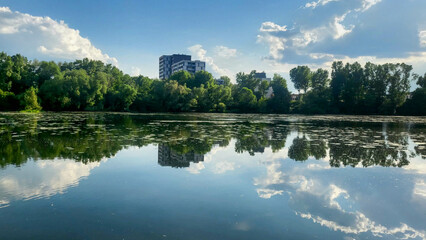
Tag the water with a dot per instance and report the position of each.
(211, 176)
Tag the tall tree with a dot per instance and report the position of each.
(398, 85)
(320, 79)
(301, 77)
(280, 102)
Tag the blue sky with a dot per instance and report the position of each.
(231, 36)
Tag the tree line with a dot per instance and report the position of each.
(90, 85)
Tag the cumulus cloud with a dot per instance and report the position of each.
(339, 30)
(200, 53)
(318, 3)
(225, 52)
(367, 4)
(346, 30)
(47, 37)
(276, 45)
(272, 27)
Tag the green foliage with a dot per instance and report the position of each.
(421, 81)
(29, 101)
(201, 78)
(280, 102)
(8, 101)
(320, 79)
(248, 80)
(182, 77)
(316, 102)
(226, 81)
(245, 100)
(416, 105)
(94, 86)
(177, 97)
(301, 77)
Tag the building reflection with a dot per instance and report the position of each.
(167, 157)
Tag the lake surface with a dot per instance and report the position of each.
(211, 176)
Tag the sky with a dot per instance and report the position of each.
(230, 35)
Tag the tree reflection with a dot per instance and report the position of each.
(91, 137)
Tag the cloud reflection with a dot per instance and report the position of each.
(42, 179)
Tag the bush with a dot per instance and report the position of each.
(29, 101)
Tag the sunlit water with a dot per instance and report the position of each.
(207, 176)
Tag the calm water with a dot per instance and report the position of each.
(206, 176)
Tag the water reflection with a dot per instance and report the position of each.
(41, 179)
(167, 157)
(92, 137)
(328, 172)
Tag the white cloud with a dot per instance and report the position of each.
(48, 37)
(298, 39)
(422, 38)
(272, 27)
(367, 4)
(338, 33)
(276, 45)
(201, 54)
(268, 193)
(225, 52)
(339, 29)
(313, 5)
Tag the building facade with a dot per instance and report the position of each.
(189, 66)
(166, 62)
(169, 64)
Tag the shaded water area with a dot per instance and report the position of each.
(211, 176)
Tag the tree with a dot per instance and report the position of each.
(320, 79)
(398, 86)
(8, 101)
(416, 105)
(29, 101)
(182, 77)
(201, 78)
(421, 81)
(46, 71)
(54, 95)
(126, 96)
(375, 84)
(301, 78)
(245, 100)
(145, 97)
(353, 91)
(226, 81)
(248, 80)
(177, 97)
(316, 102)
(262, 89)
(280, 102)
